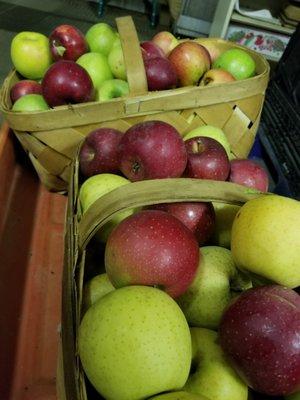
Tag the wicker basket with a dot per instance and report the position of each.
(80, 230)
(52, 137)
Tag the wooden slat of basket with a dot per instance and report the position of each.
(64, 141)
(51, 182)
(216, 115)
(251, 106)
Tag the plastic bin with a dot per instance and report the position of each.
(31, 254)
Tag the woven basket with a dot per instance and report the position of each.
(81, 229)
(52, 137)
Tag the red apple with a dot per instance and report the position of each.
(216, 76)
(249, 173)
(160, 73)
(207, 159)
(67, 82)
(191, 61)
(260, 335)
(152, 149)
(151, 50)
(26, 86)
(198, 217)
(99, 152)
(67, 42)
(152, 248)
(166, 41)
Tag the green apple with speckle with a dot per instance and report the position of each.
(236, 61)
(211, 375)
(204, 301)
(135, 343)
(30, 103)
(95, 289)
(179, 396)
(101, 38)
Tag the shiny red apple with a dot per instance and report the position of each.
(199, 217)
(160, 74)
(26, 86)
(216, 76)
(151, 50)
(249, 173)
(207, 159)
(152, 248)
(99, 152)
(191, 61)
(67, 82)
(151, 150)
(260, 336)
(67, 42)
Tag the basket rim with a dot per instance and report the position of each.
(132, 105)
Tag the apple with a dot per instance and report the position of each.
(212, 47)
(95, 187)
(111, 89)
(26, 86)
(265, 239)
(260, 335)
(206, 298)
(30, 54)
(99, 152)
(95, 289)
(96, 66)
(30, 102)
(152, 248)
(213, 132)
(160, 73)
(166, 41)
(199, 217)
(67, 42)
(211, 375)
(179, 396)
(225, 214)
(236, 61)
(249, 173)
(151, 50)
(294, 396)
(100, 38)
(191, 61)
(215, 77)
(151, 150)
(207, 159)
(134, 343)
(67, 82)
(116, 62)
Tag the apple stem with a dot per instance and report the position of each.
(135, 167)
(197, 146)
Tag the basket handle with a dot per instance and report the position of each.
(136, 75)
(138, 194)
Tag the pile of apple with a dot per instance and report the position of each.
(175, 315)
(69, 67)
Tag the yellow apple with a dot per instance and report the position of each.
(265, 239)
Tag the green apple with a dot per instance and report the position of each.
(116, 61)
(213, 377)
(135, 343)
(112, 88)
(96, 288)
(236, 61)
(265, 239)
(205, 300)
(225, 214)
(213, 132)
(96, 66)
(295, 396)
(179, 396)
(30, 102)
(30, 54)
(101, 37)
(95, 187)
